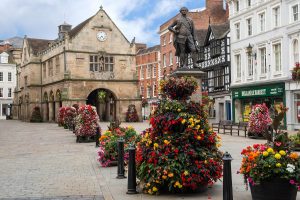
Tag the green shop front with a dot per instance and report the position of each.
(245, 97)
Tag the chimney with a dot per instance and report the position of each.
(63, 29)
(215, 4)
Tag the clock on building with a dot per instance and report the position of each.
(101, 35)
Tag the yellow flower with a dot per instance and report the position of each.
(277, 156)
(166, 142)
(198, 126)
(148, 184)
(154, 189)
(205, 161)
(183, 121)
(191, 119)
(170, 175)
(155, 146)
(178, 109)
(130, 127)
(218, 145)
(186, 173)
(270, 150)
(265, 153)
(198, 137)
(278, 165)
(283, 153)
(150, 191)
(164, 176)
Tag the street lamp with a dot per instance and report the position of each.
(249, 50)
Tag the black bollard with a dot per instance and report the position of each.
(121, 169)
(227, 177)
(131, 187)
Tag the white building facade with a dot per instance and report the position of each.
(264, 49)
(7, 85)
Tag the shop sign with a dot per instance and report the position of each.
(274, 90)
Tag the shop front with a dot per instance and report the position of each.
(273, 95)
(293, 103)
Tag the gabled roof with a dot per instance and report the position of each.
(38, 45)
(218, 30)
(148, 50)
(201, 35)
(74, 31)
(17, 42)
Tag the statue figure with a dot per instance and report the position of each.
(184, 38)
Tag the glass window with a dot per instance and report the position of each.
(1, 76)
(50, 68)
(101, 63)
(57, 65)
(142, 91)
(154, 90)
(263, 60)
(249, 26)
(148, 92)
(164, 40)
(9, 76)
(262, 21)
(171, 38)
(1, 92)
(142, 72)
(297, 108)
(277, 56)
(249, 3)
(9, 92)
(250, 66)
(237, 31)
(171, 58)
(149, 71)
(237, 6)
(295, 13)
(154, 71)
(44, 70)
(295, 51)
(238, 65)
(164, 60)
(276, 16)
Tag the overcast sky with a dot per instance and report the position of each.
(135, 18)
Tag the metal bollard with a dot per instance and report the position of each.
(131, 187)
(121, 169)
(227, 177)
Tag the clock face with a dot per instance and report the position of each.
(101, 36)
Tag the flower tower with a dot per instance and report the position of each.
(179, 153)
(86, 121)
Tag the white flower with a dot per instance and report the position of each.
(290, 168)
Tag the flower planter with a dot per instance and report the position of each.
(275, 189)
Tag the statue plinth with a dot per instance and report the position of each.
(197, 74)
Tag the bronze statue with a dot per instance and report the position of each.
(184, 38)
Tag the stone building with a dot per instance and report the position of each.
(264, 50)
(148, 66)
(213, 13)
(92, 63)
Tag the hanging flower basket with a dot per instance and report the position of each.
(296, 72)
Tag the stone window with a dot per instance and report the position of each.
(277, 57)
(9, 76)
(9, 92)
(249, 26)
(1, 76)
(44, 70)
(262, 22)
(238, 66)
(295, 13)
(57, 65)
(50, 67)
(25, 80)
(1, 92)
(237, 31)
(276, 16)
(263, 60)
(101, 63)
(295, 51)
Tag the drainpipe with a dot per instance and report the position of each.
(41, 73)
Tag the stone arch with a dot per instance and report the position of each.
(105, 102)
(45, 97)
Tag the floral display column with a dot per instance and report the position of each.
(179, 153)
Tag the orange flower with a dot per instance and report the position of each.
(170, 175)
(103, 137)
(294, 156)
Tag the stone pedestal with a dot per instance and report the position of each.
(198, 75)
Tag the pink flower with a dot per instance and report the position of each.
(292, 182)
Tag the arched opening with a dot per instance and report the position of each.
(58, 98)
(46, 107)
(105, 102)
(52, 106)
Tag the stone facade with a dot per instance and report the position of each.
(92, 56)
